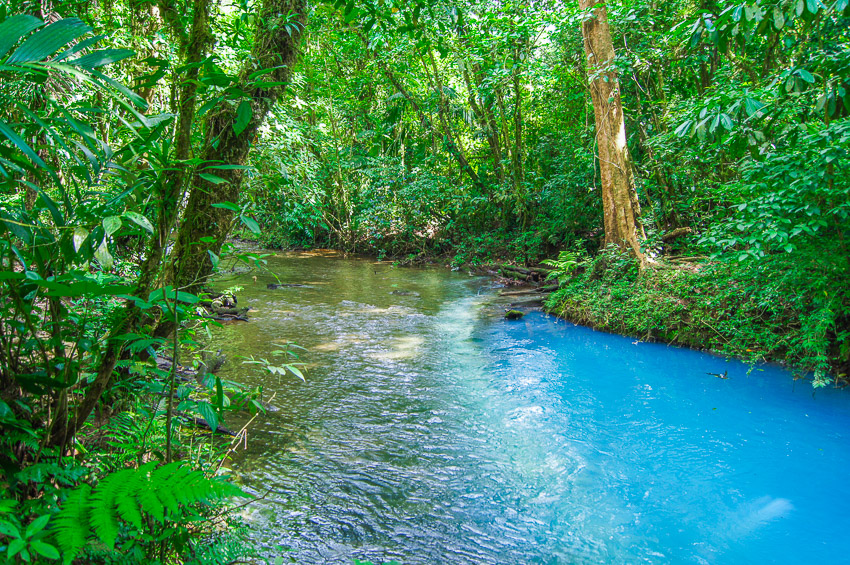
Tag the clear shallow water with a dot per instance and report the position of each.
(432, 431)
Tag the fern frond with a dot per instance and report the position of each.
(221, 550)
(162, 482)
(128, 506)
(102, 506)
(183, 486)
(165, 494)
(72, 522)
(151, 504)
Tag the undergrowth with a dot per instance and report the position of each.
(733, 309)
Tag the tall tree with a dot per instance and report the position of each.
(619, 199)
(230, 131)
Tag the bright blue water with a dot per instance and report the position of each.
(644, 458)
(430, 430)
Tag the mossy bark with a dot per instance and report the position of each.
(204, 227)
(194, 46)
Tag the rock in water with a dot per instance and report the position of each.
(513, 314)
(404, 293)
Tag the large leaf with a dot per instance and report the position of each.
(14, 28)
(214, 179)
(251, 223)
(101, 58)
(48, 41)
(80, 236)
(104, 257)
(139, 220)
(22, 145)
(111, 224)
(78, 47)
(208, 413)
(243, 117)
(752, 106)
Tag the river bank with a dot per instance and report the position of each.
(723, 308)
(716, 307)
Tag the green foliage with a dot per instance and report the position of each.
(83, 174)
(562, 267)
(130, 508)
(721, 307)
(26, 542)
(284, 350)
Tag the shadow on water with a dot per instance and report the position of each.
(432, 431)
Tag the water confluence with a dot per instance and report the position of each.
(431, 430)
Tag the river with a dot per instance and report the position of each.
(431, 430)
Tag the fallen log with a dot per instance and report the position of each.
(199, 422)
(528, 301)
(535, 290)
(676, 233)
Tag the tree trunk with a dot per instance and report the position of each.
(194, 46)
(486, 125)
(619, 199)
(205, 227)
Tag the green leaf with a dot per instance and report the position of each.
(44, 549)
(140, 220)
(243, 117)
(214, 259)
(186, 297)
(805, 75)
(684, 128)
(219, 393)
(48, 41)
(80, 235)
(14, 28)
(78, 47)
(111, 224)
(101, 57)
(51, 206)
(137, 100)
(37, 525)
(208, 413)
(778, 18)
(296, 371)
(752, 106)
(16, 546)
(251, 223)
(227, 206)
(229, 167)
(9, 530)
(104, 257)
(72, 525)
(22, 145)
(212, 178)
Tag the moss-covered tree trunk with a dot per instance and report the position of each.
(193, 45)
(619, 199)
(204, 227)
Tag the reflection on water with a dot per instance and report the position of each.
(432, 431)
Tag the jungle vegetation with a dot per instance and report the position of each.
(682, 166)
